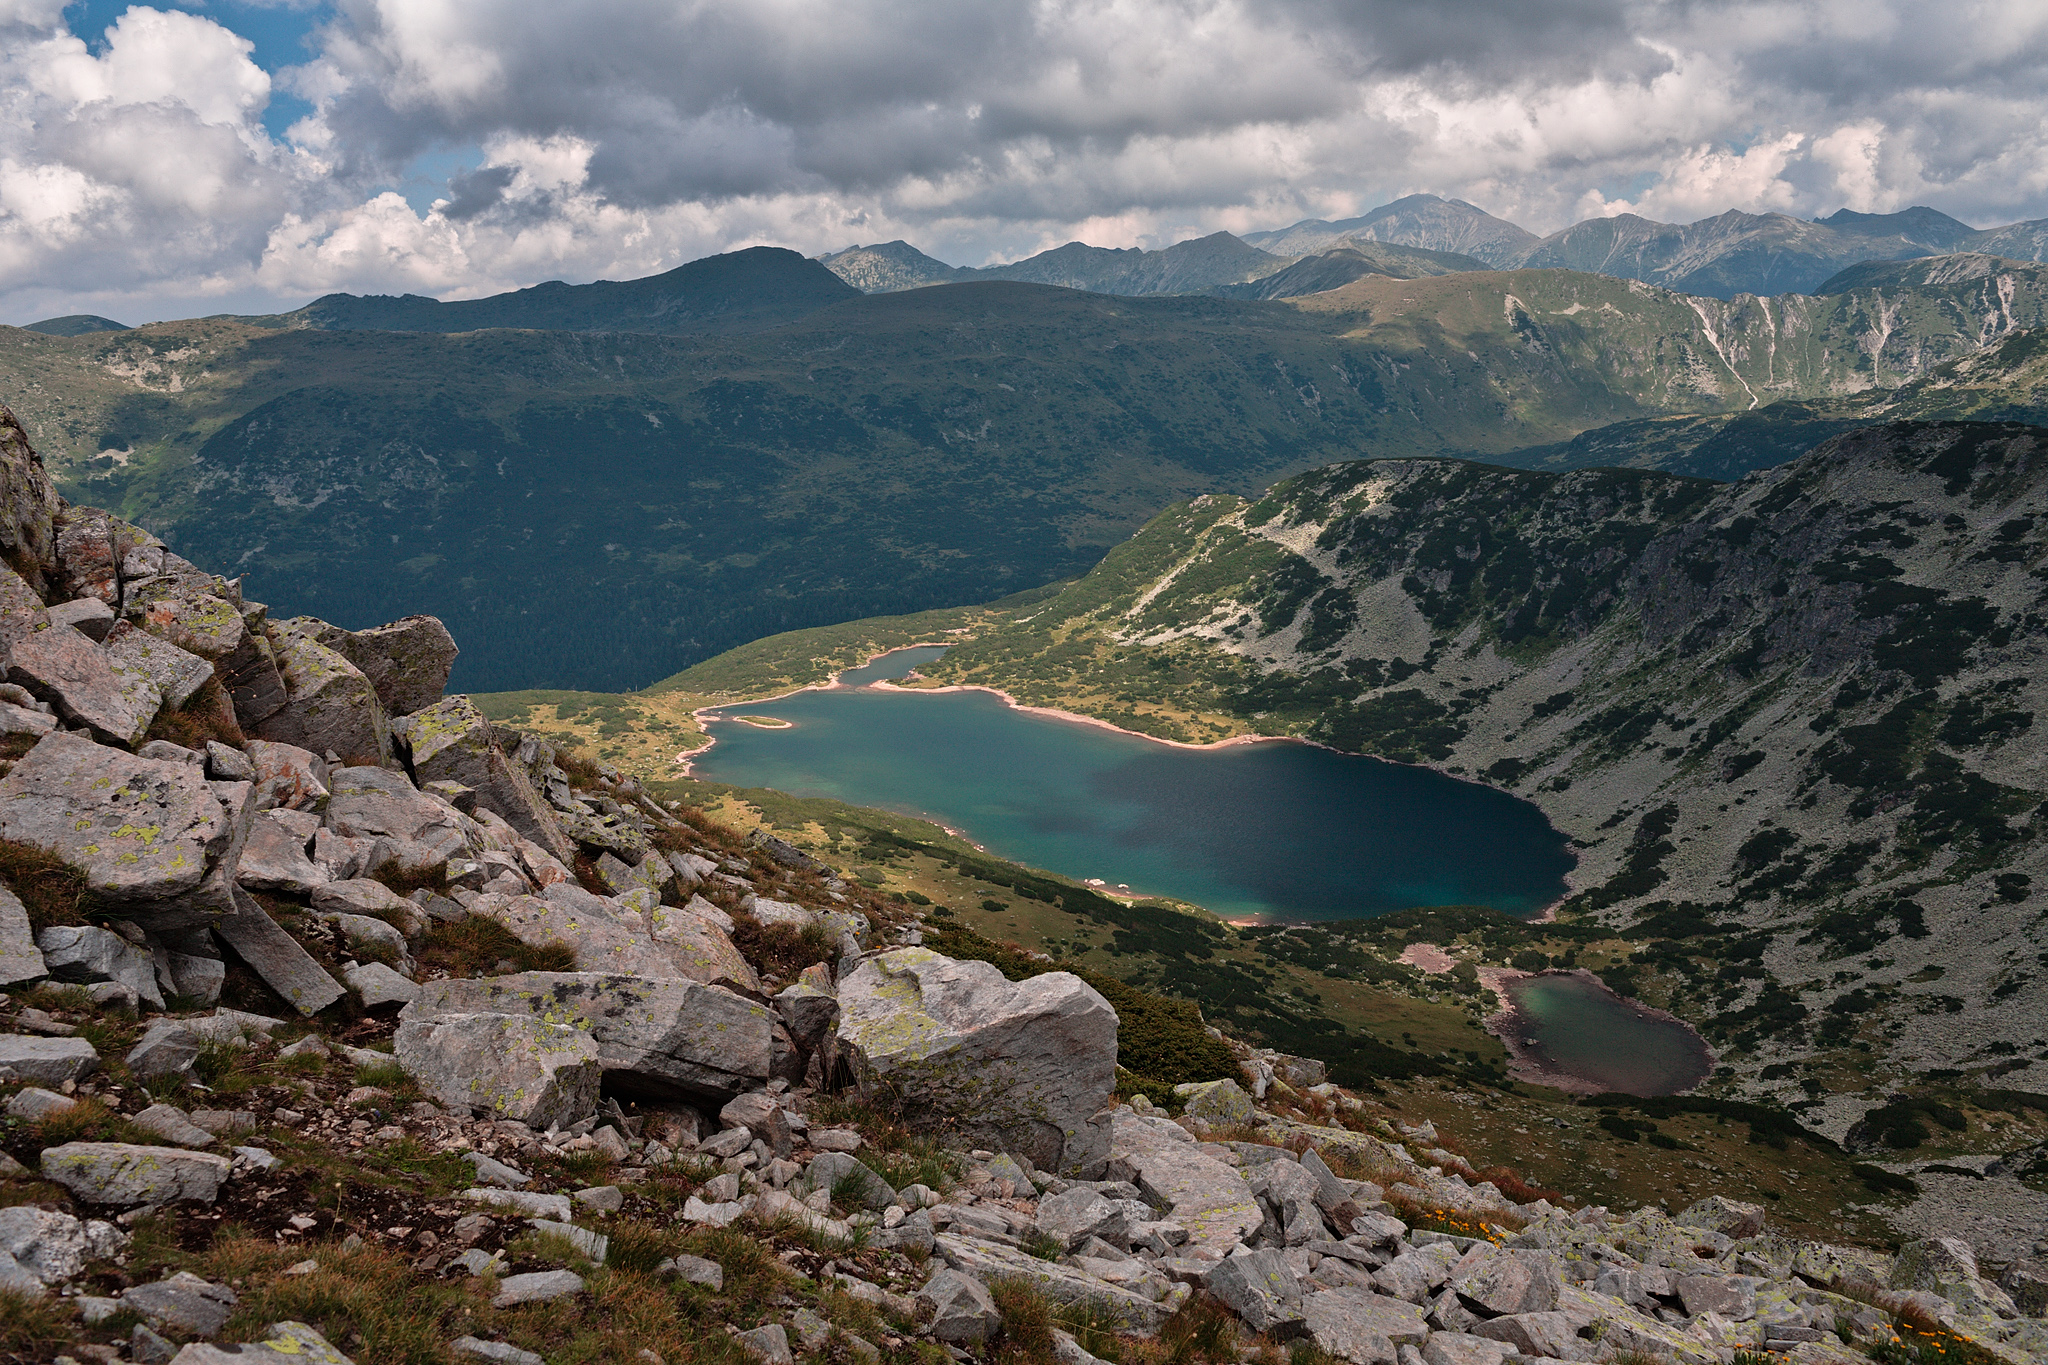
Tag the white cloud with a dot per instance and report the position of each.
(621, 137)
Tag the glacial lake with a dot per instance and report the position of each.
(1275, 830)
(1568, 1023)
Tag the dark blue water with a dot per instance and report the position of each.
(1273, 830)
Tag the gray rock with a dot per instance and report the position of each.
(1729, 1217)
(188, 976)
(46, 1061)
(1260, 1288)
(542, 1286)
(962, 1311)
(516, 1066)
(496, 1172)
(227, 764)
(1360, 1326)
(274, 858)
(524, 1202)
(363, 932)
(222, 1122)
(1290, 1193)
(603, 1198)
(163, 751)
(1548, 1334)
(914, 1236)
(1416, 1274)
(695, 1270)
(55, 1247)
(290, 1343)
(19, 720)
(606, 939)
(1462, 1348)
(88, 615)
(277, 957)
(173, 1125)
(451, 741)
(503, 1352)
(150, 1349)
(67, 669)
(176, 674)
(604, 831)
(769, 1345)
(830, 1170)
(699, 948)
(154, 838)
(1207, 1197)
(33, 1103)
(1060, 1282)
(20, 959)
(1072, 1217)
(1732, 1296)
(379, 803)
(288, 777)
(1513, 1282)
(1023, 1065)
(1219, 1102)
(125, 1173)
(78, 952)
(183, 1303)
(406, 661)
(332, 706)
(379, 986)
(668, 1039)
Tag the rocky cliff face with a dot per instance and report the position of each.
(1788, 720)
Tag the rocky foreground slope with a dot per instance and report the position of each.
(653, 1093)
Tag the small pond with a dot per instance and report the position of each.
(1569, 1025)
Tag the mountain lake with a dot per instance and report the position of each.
(1266, 831)
(1570, 1024)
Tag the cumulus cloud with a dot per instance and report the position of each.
(619, 137)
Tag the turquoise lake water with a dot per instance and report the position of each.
(1275, 830)
(1578, 1026)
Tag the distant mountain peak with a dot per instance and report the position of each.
(76, 325)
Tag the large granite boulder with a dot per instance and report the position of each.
(139, 657)
(516, 1066)
(332, 708)
(407, 661)
(604, 936)
(1207, 1197)
(28, 505)
(451, 741)
(229, 636)
(661, 1039)
(123, 1173)
(1024, 1066)
(380, 803)
(65, 668)
(288, 777)
(699, 947)
(275, 858)
(155, 838)
(45, 1061)
(277, 957)
(21, 608)
(84, 954)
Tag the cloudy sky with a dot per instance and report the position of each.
(242, 155)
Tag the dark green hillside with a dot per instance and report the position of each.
(743, 291)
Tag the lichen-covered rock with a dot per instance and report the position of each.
(604, 936)
(1205, 1196)
(1219, 1102)
(82, 953)
(288, 777)
(1025, 1066)
(451, 741)
(156, 838)
(228, 635)
(379, 987)
(406, 661)
(516, 1066)
(1729, 1217)
(380, 803)
(674, 1039)
(332, 705)
(699, 948)
(73, 674)
(124, 1173)
(176, 674)
(21, 609)
(604, 831)
(28, 505)
(54, 1247)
